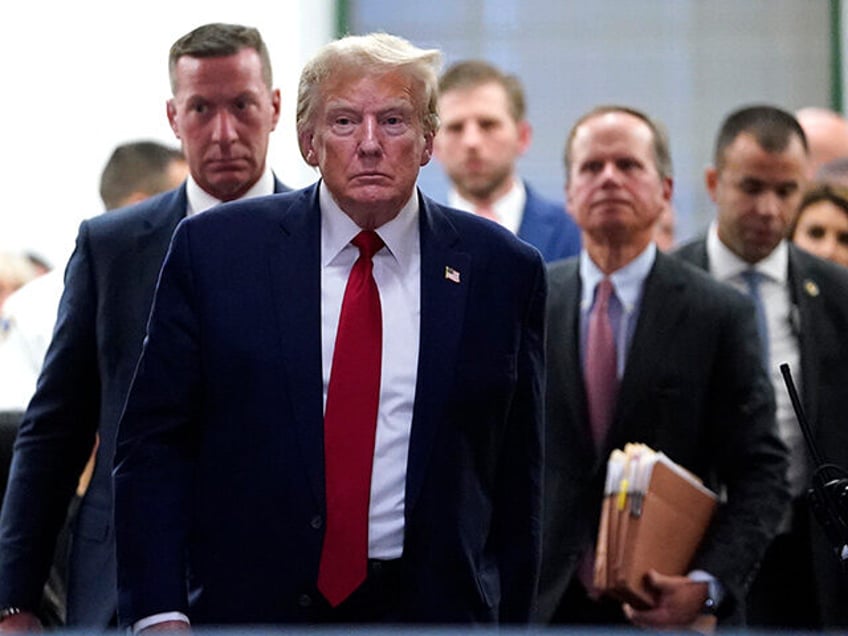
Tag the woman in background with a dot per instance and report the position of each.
(821, 225)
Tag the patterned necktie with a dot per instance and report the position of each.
(601, 377)
(601, 380)
(350, 425)
(752, 279)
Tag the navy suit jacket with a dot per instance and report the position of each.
(819, 294)
(548, 227)
(219, 465)
(693, 388)
(109, 285)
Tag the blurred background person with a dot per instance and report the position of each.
(666, 228)
(134, 171)
(821, 224)
(15, 271)
(827, 136)
(484, 132)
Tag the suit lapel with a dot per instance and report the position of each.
(804, 295)
(294, 272)
(442, 314)
(661, 310)
(563, 352)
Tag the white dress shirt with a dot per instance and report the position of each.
(628, 284)
(508, 210)
(199, 200)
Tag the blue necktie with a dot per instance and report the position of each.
(752, 279)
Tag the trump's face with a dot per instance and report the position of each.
(368, 140)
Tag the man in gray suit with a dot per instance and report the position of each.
(757, 180)
(223, 110)
(682, 374)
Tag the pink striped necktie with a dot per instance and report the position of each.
(601, 377)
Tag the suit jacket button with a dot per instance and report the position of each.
(304, 600)
(316, 522)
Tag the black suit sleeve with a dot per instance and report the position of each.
(749, 457)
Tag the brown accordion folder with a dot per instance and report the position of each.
(654, 515)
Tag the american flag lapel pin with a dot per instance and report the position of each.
(451, 274)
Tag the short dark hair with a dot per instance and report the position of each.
(219, 40)
(662, 152)
(771, 127)
(473, 73)
(138, 166)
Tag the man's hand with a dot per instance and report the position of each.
(167, 626)
(23, 623)
(679, 602)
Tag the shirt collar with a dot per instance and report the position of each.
(726, 265)
(401, 234)
(626, 281)
(508, 209)
(199, 200)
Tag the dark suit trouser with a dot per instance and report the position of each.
(578, 608)
(783, 594)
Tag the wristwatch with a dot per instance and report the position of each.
(710, 603)
(6, 612)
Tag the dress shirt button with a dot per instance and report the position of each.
(317, 522)
(304, 600)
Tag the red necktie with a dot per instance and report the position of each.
(350, 424)
(601, 377)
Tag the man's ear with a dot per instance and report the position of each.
(711, 181)
(427, 152)
(171, 110)
(525, 135)
(307, 150)
(276, 105)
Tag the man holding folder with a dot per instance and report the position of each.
(643, 348)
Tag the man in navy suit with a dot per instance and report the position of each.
(757, 180)
(683, 375)
(223, 110)
(224, 467)
(483, 133)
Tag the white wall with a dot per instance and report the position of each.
(81, 77)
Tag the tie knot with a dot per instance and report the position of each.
(752, 279)
(368, 243)
(605, 290)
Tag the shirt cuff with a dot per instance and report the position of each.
(715, 590)
(155, 619)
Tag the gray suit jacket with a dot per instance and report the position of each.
(694, 389)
